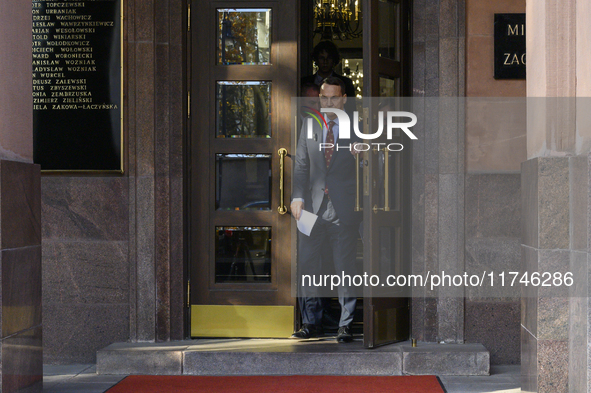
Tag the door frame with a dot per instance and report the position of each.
(195, 90)
(202, 39)
(388, 307)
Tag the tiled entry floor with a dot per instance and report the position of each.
(82, 378)
(76, 378)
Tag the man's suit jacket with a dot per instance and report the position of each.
(311, 175)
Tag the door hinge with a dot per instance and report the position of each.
(189, 16)
(188, 293)
(188, 103)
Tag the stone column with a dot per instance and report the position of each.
(438, 165)
(155, 122)
(21, 351)
(545, 237)
(555, 195)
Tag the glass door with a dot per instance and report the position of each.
(386, 182)
(243, 75)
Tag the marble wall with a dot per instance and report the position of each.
(558, 32)
(16, 115)
(554, 325)
(85, 265)
(21, 350)
(555, 184)
(438, 165)
(495, 129)
(493, 244)
(495, 147)
(113, 245)
(156, 123)
(465, 211)
(480, 80)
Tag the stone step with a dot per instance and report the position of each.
(288, 357)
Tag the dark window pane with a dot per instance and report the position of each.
(243, 254)
(388, 29)
(243, 181)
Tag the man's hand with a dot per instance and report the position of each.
(296, 209)
(354, 150)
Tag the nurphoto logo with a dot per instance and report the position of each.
(392, 123)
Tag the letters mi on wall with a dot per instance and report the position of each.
(510, 46)
(77, 85)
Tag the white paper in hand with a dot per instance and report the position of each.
(306, 222)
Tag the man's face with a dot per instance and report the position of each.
(325, 62)
(332, 97)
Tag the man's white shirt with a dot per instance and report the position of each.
(335, 131)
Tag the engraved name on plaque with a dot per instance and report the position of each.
(77, 81)
(510, 55)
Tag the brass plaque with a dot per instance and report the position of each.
(242, 321)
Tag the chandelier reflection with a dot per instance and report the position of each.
(337, 19)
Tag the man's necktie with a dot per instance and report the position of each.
(329, 140)
(329, 150)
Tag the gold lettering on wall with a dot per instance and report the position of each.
(62, 48)
(516, 30)
(514, 59)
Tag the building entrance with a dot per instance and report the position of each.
(243, 73)
(245, 58)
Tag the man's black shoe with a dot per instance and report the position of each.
(344, 335)
(307, 331)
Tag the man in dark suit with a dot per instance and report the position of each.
(326, 56)
(324, 184)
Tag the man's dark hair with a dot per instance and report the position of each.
(333, 80)
(330, 48)
(310, 86)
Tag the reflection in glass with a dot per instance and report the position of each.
(243, 109)
(243, 182)
(244, 36)
(353, 69)
(243, 254)
(389, 252)
(393, 179)
(388, 16)
(389, 87)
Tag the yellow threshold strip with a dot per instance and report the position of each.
(242, 321)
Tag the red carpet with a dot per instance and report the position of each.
(286, 384)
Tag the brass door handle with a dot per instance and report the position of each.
(358, 207)
(386, 207)
(386, 180)
(282, 209)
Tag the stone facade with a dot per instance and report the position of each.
(555, 226)
(438, 165)
(21, 348)
(555, 196)
(16, 125)
(21, 339)
(128, 228)
(493, 239)
(131, 226)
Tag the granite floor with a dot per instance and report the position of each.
(82, 378)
